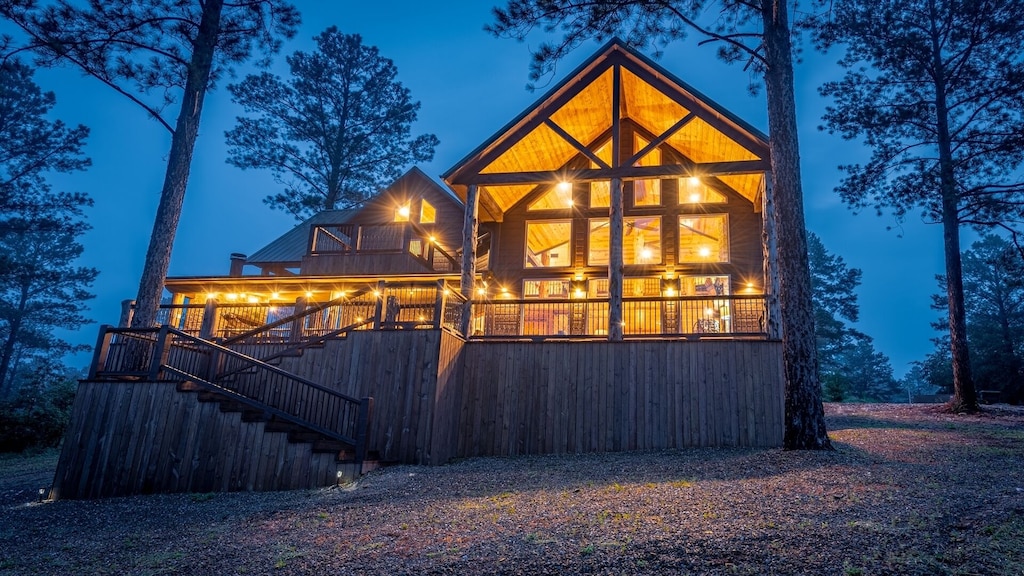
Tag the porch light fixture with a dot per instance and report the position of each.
(274, 295)
(670, 285)
(432, 240)
(646, 254)
(564, 186)
(704, 252)
(253, 300)
(211, 295)
(231, 296)
(309, 294)
(376, 293)
(481, 291)
(579, 287)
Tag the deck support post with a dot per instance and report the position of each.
(615, 263)
(209, 326)
(469, 230)
(298, 325)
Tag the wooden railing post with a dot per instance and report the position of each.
(161, 352)
(378, 312)
(99, 356)
(439, 304)
(209, 326)
(298, 325)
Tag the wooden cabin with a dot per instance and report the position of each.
(594, 277)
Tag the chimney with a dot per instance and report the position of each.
(237, 263)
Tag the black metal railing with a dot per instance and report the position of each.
(742, 315)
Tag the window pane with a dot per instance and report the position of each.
(600, 192)
(559, 197)
(402, 213)
(647, 192)
(703, 239)
(547, 244)
(597, 254)
(641, 241)
(428, 214)
(693, 191)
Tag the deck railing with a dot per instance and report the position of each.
(732, 316)
(404, 305)
(162, 354)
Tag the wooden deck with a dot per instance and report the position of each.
(435, 397)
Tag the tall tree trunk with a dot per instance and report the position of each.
(805, 415)
(158, 256)
(965, 399)
(13, 334)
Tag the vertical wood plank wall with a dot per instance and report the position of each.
(399, 369)
(147, 437)
(435, 397)
(571, 397)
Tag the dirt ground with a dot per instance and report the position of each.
(908, 490)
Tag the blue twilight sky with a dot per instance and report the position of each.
(469, 84)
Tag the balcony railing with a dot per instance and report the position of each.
(382, 306)
(731, 316)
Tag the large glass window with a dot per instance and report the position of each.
(703, 239)
(693, 190)
(600, 192)
(641, 240)
(646, 192)
(559, 197)
(547, 243)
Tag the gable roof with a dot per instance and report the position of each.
(289, 249)
(580, 109)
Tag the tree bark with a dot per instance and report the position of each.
(615, 234)
(805, 415)
(158, 256)
(965, 399)
(467, 282)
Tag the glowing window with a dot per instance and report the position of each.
(559, 197)
(547, 244)
(600, 192)
(646, 192)
(693, 190)
(703, 239)
(641, 241)
(428, 214)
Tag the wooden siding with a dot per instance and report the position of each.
(436, 397)
(146, 437)
(399, 369)
(573, 397)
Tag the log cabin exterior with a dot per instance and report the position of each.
(595, 277)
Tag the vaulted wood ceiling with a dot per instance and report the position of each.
(536, 147)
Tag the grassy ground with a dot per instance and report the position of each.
(908, 490)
